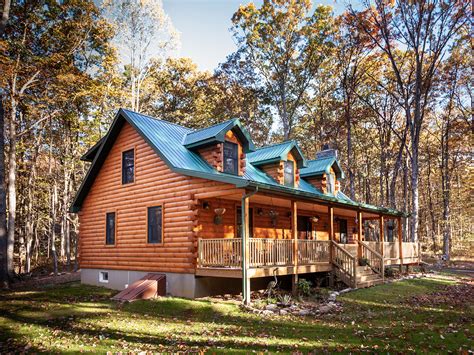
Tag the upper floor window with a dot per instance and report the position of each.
(289, 173)
(128, 166)
(110, 228)
(231, 158)
(155, 224)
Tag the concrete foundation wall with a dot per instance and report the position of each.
(179, 285)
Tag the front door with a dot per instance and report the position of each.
(343, 231)
(304, 227)
(238, 222)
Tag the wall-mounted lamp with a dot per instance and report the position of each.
(259, 211)
(206, 205)
(218, 217)
(273, 216)
(315, 219)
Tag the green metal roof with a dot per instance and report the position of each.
(322, 165)
(167, 139)
(275, 153)
(217, 133)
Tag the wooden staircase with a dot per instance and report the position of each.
(347, 269)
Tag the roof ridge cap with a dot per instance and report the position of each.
(158, 119)
(275, 144)
(216, 124)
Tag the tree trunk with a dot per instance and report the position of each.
(54, 198)
(349, 151)
(11, 189)
(3, 205)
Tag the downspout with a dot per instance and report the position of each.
(245, 280)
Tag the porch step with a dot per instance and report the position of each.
(149, 286)
(366, 284)
(369, 277)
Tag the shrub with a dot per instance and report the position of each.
(363, 261)
(389, 272)
(284, 299)
(304, 287)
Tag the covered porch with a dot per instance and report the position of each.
(242, 234)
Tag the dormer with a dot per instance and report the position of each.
(224, 146)
(324, 172)
(282, 162)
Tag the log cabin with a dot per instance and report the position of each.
(214, 214)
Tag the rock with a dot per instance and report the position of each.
(332, 297)
(345, 290)
(326, 308)
(283, 312)
(304, 312)
(266, 312)
(271, 307)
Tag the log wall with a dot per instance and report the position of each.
(155, 184)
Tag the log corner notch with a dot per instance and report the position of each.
(245, 246)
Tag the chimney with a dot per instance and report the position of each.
(326, 152)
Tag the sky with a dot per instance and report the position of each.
(204, 27)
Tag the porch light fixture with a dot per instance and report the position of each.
(273, 216)
(219, 213)
(260, 211)
(206, 205)
(315, 219)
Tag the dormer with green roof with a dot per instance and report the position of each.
(223, 146)
(324, 172)
(281, 161)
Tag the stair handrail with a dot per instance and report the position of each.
(377, 255)
(349, 271)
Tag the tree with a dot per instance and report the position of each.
(423, 29)
(145, 33)
(286, 45)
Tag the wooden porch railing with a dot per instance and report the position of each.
(226, 253)
(270, 252)
(220, 252)
(374, 259)
(313, 251)
(345, 263)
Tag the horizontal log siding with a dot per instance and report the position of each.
(155, 184)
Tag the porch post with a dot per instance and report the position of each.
(359, 234)
(294, 234)
(245, 250)
(382, 237)
(331, 238)
(400, 241)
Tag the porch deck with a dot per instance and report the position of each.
(223, 257)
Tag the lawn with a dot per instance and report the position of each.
(424, 315)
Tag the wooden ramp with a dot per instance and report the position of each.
(149, 286)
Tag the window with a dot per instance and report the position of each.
(231, 159)
(110, 228)
(239, 222)
(155, 227)
(128, 166)
(289, 173)
(104, 277)
(330, 183)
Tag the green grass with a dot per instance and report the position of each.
(75, 318)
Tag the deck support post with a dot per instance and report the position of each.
(400, 241)
(294, 235)
(245, 247)
(331, 238)
(359, 234)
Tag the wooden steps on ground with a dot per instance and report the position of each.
(149, 286)
(366, 277)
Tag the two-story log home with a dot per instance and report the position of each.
(212, 212)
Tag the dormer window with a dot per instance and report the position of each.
(289, 173)
(331, 183)
(231, 158)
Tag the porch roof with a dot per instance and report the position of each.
(167, 140)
